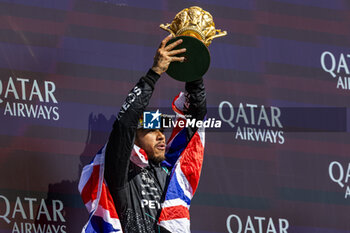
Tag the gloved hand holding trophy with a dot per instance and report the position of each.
(197, 30)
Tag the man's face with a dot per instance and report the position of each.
(153, 142)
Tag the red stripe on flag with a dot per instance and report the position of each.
(106, 201)
(192, 160)
(174, 212)
(89, 192)
(176, 129)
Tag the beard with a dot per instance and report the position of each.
(156, 159)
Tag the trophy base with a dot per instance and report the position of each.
(197, 60)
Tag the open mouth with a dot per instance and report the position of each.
(161, 146)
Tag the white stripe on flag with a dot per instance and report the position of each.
(180, 225)
(88, 206)
(183, 182)
(85, 176)
(105, 214)
(174, 202)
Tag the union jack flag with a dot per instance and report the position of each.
(186, 158)
(103, 217)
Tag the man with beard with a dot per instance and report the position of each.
(138, 190)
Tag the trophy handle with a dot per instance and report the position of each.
(219, 34)
(166, 28)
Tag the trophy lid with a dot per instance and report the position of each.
(196, 22)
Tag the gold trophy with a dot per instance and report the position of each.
(197, 29)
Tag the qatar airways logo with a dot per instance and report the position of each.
(337, 67)
(29, 98)
(340, 174)
(252, 122)
(256, 224)
(25, 214)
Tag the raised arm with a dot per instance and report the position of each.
(197, 108)
(121, 140)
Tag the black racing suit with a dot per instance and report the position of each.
(137, 192)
